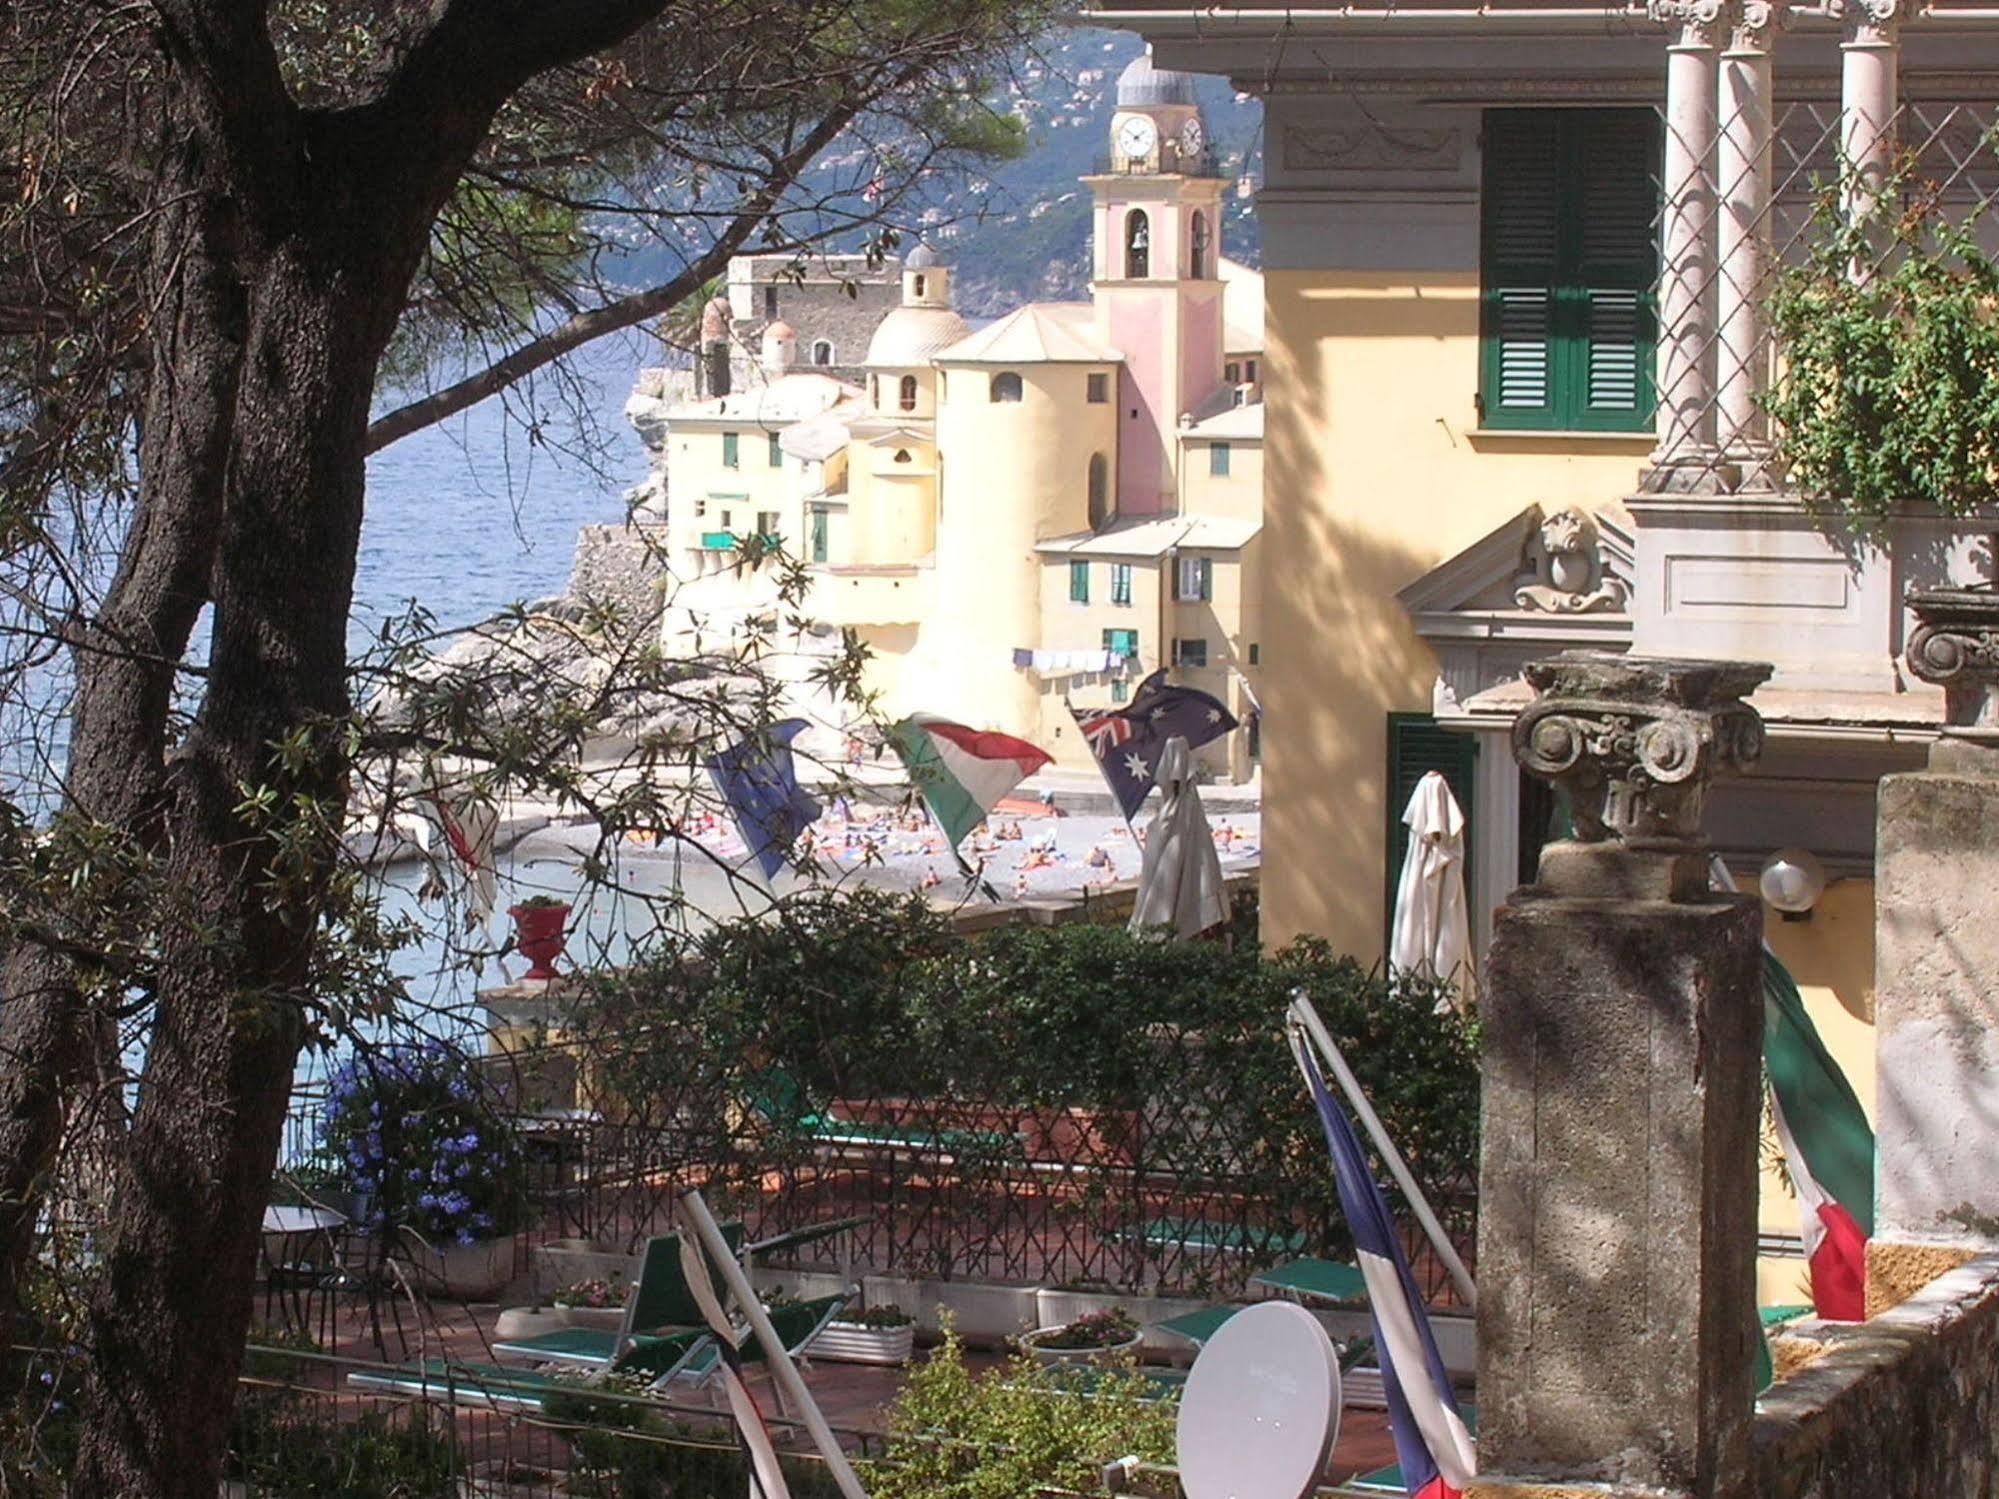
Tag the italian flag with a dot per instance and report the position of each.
(1828, 1147)
(962, 773)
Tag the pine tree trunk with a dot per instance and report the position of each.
(319, 277)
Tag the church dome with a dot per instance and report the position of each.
(922, 258)
(909, 336)
(1141, 85)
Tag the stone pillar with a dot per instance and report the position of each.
(1936, 986)
(1867, 105)
(1743, 172)
(1622, 1010)
(1684, 457)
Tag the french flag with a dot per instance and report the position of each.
(1431, 1441)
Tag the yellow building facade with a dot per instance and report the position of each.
(1030, 516)
(1452, 488)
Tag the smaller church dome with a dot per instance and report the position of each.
(922, 258)
(779, 329)
(715, 319)
(908, 336)
(1142, 85)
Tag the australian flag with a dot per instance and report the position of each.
(1128, 741)
(760, 784)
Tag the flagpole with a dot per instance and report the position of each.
(781, 1367)
(1301, 1014)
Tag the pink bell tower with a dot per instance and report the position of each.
(1157, 284)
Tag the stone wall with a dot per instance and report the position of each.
(620, 564)
(1903, 1407)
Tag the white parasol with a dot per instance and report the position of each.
(1432, 932)
(1180, 880)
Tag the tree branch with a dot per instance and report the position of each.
(579, 330)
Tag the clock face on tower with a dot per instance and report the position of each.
(1136, 137)
(1192, 138)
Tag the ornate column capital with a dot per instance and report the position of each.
(1753, 24)
(1634, 742)
(1956, 645)
(1867, 20)
(1696, 23)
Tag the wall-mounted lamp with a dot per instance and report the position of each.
(1791, 883)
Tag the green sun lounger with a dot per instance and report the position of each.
(506, 1387)
(1315, 1280)
(779, 1101)
(1205, 1235)
(659, 1300)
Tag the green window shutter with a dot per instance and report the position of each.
(1207, 579)
(1568, 261)
(1416, 745)
(819, 538)
(1079, 582)
(731, 457)
(1121, 642)
(1616, 265)
(1520, 249)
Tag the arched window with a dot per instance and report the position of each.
(822, 351)
(908, 393)
(1198, 239)
(1100, 491)
(875, 390)
(902, 456)
(1006, 386)
(1137, 244)
(921, 284)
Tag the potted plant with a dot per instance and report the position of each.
(875, 1335)
(1097, 1337)
(597, 1302)
(439, 1167)
(540, 926)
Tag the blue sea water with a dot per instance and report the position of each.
(482, 510)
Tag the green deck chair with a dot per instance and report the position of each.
(1205, 1235)
(1314, 1279)
(781, 1103)
(505, 1387)
(797, 1325)
(660, 1299)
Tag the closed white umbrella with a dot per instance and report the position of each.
(1180, 880)
(1432, 932)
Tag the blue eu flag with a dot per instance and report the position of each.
(760, 784)
(1128, 741)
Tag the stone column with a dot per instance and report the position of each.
(1743, 173)
(1684, 457)
(1622, 1010)
(1936, 987)
(1867, 105)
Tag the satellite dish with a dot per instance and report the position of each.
(1261, 1409)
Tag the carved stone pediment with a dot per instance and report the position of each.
(1566, 572)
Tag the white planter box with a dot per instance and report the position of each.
(1058, 1357)
(606, 1318)
(851, 1343)
(1060, 1308)
(986, 1314)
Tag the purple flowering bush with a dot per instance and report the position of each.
(418, 1140)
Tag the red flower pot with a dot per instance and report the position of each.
(539, 934)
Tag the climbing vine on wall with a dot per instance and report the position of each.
(1889, 336)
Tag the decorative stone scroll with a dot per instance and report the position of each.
(1567, 575)
(1956, 645)
(1634, 741)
